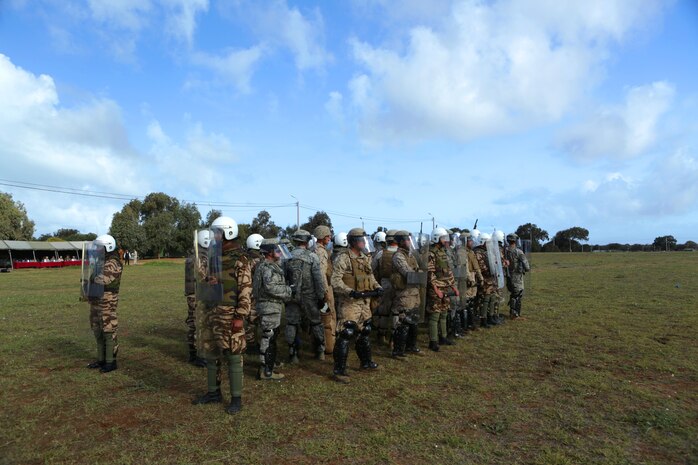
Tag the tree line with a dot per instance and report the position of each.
(162, 226)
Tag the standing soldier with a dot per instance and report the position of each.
(329, 318)
(440, 286)
(405, 279)
(354, 285)
(340, 244)
(101, 289)
(382, 266)
(253, 242)
(517, 267)
(191, 268)
(270, 292)
(461, 274)
(230, 279)
(474, 279)
(486, 291)
(304, 276)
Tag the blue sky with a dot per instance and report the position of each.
(560, 113)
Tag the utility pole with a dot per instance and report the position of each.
(298, 212)
(666, 241)
(362, 222)
(433, 221)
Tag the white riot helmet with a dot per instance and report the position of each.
(340, 240)
(254, 241)
(475, 234)
(227, 225)
(107, 241)
(203, 238)
(484, 237)
(312, 242)
(437, 234)
(379, 237)
(499, 236)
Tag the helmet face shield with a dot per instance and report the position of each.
(369, 246)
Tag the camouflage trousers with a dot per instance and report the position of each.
(268, 324)
(357, 310)
(436, 305)
(191, 320)
(103, 317)
(485, 304)
(308, 314)
(221, 331)
(329, 323)
(251, 326)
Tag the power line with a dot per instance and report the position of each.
(234, 206)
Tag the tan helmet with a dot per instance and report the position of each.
(301, 236)
(356, 232)
(321, 231)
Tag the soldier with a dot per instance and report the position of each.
(405, 281)
(518, 266)
(354, 285)
(452, 314)
(270, 292)
(230, 280)
(461, 275)
(253, 242)
(474, 280)
(498, 318)
(440, 286)
(486, 291)
(329, 318)
(105, 280)
(191, 267)
(382, 266)
(304, 276)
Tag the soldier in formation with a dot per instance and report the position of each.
(192, 268)
(517, 266)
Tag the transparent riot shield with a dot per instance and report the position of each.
(91, 267)
(285, 253)
(495, 261)
(212, 291)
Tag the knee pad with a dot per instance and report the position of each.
(350, 328)
(367, 327)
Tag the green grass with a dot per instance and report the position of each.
(603, 368)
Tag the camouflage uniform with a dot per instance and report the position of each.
(192, 270)
(303, 307)
(329, 319)
(518, 267)
(486, 290)
(103, 319)
(223, 332)
(255, 258)
(439, 275)
(452, 315)
(270, 291)
(351, 276)
(382, 266)
(474, 278)
(405, 304)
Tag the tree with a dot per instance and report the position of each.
(318, 219)
(127, 229)
(187, 220)
(664, 243)
(263, 225)
(569, 238)
(66, 234)
(15, 225)
(211, 217)
(690, 245)
(534, 233)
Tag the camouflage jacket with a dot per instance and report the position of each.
(325, 264)
(352, 272)
(269, 288)
(489, 280)
(110, 276)
(439, 272)
(313, 286)
(518, 263)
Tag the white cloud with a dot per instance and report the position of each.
(181, 17)
(491, 67)
(232, 68)
(131, 15)
(198, 161)
(333, 106)
(622, 131)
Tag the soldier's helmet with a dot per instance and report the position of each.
(465, 233)
(301, 236)
(203, 238)
(484, 237)
(499, 236)
(227, 226)
(399, 235)
(269, 246)
(380, 237)
(437, 234)
(512, 237)
(254, 241)
(322, 231)
(390, 235)
(355, 234)
(340, 240)
(107, 241)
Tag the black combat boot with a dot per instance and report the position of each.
(484, 323)
(96, 364)
(445, 342)
(433, 345)
(340, 355)
(235, 406)
(108, 366)
(209, 398)
(195, 359)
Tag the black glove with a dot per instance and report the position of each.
(379, 291)
(356, 294)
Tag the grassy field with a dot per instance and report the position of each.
(603, 368)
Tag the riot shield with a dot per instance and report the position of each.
(421, 253)
(495, 261)
(91, 267)
(212, 291)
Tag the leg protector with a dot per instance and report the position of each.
(341, 348)
(270, 355)
(400, 334)
(412, 333)
(363, 350)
